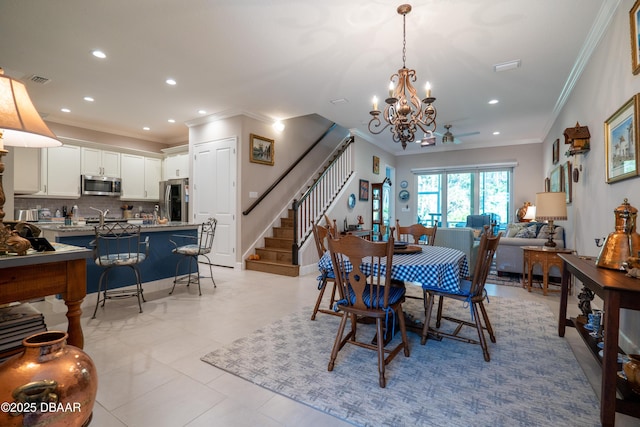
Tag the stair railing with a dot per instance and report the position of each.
(319, 196)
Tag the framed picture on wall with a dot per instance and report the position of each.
(556, 151)
(364, 190)
(621, 141)
(556, 180)
(634, 18)
(376, 165)
(261, 150)
(566, 178)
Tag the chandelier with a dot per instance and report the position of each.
(404, 111)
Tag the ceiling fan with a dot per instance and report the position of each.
(448, 137)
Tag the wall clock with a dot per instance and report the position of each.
(404, 195)
(404, 184)
(352, 201)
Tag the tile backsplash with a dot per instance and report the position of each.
(84, 204)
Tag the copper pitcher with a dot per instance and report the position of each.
(624, 242)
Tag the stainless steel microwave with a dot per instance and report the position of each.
(93, 185)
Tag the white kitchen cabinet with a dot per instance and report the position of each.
(152, 177)
(59, 172)
(63, 171)
(176, 166)
(26, 170)
(140, 177)
(100, 162)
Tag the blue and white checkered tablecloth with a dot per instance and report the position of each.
(435, 266)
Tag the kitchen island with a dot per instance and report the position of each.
(160, 264)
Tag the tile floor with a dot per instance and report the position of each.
(149, 367)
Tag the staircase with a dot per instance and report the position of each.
(275, 256)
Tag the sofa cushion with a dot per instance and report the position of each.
(513, 229)
(527, 232)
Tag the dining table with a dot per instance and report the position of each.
(419, 265)
(426, 266)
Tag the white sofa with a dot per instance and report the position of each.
(462, 238)
(509, 253)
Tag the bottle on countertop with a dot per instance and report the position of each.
(64, 211)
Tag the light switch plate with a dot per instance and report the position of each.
(253, 194)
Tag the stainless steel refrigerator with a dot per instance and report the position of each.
(174, 199)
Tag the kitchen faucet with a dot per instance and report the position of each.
(102, 214)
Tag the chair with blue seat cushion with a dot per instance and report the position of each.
(118, 245)
(471, 292)
(191, 248)
(362, 269)
(320, 234)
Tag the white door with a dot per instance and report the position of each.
(214, 194)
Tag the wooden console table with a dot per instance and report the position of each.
(40, 274)
(617, 291)
(546, 257)
(365, 234)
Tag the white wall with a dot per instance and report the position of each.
(605, 85)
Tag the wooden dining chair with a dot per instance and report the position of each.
(471, 292)
(320, 235)
(331, 225)
(358, 264)
(414, 233)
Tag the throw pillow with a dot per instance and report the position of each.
(544, 232)
(527, 232)
(513, 229)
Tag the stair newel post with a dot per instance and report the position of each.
(294, 245)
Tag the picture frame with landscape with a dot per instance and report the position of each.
(261, 150)
(621, 142)
(634, 19)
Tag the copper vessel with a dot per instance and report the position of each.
(624, 242)
(49, 384)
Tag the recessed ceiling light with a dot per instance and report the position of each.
(493, 101)
(496, 133)
(146, 128)
(65, 110)
(171, 121)
(202, 111)
(170, 82)
(99, 54)
(88, 99)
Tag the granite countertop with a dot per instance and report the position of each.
(61, 228)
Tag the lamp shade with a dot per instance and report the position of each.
(20, 123)
(531, 213)
(551, 206)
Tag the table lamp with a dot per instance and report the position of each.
(551, 207)
(530, 215)
(20, 126)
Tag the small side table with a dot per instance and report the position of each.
(545, 256)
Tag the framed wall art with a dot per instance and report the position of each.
(566, 179)
(261, 150)
(364, 190)
(556, 151)
(634, 18)
(376, 165)
(556, 180)
(621, 142)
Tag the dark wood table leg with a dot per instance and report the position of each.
(611, 323)
(564, 295)
(76, 291)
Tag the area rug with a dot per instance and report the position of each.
(533, 378)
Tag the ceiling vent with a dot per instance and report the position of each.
(38, 79)
(509, 65)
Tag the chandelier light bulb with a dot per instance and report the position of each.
(427, 89)
(391, 88)
(375, 103)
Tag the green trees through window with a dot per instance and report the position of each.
(465, 193)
